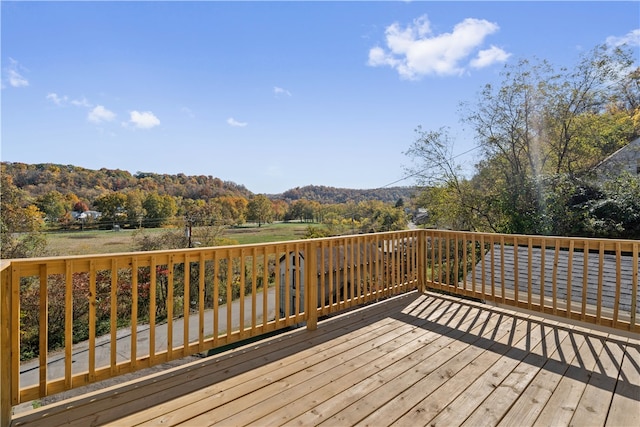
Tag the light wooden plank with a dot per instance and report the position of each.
(339, 390)
(493, 408)
(532, 401)
(409, 338)
(267, 380)
(561, 405)
(455, 393)
(625, 407)
(467, 350)
(596, 398)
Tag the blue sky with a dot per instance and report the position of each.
(271, 95)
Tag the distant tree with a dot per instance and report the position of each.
(232, 209)
(279, 209)
(134, 211)
(260, 209)
(80, 207)
(302, 210)
(20, 225)
(53, 204)
(113, 207)
(159, 209)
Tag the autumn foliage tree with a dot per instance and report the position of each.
(540, 132)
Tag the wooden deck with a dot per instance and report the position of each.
(417, 359)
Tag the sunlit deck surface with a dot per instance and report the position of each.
(416, 359)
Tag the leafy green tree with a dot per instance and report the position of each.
(159, 209)
(53, 205)
(538, 128)
(112, 206)
(260, 209)
(134, 211)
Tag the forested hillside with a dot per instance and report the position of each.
(39, 179)
(324, 194)
(55, 197)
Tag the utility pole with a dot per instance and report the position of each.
(187, 230)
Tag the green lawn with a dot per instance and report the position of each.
(279, 232)
(107, 241)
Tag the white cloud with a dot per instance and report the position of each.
(144, 120)
(100, 114)
(632, 38)
(233, 122)
(53, 97)
(80, 102)
(13, 76)
(64, 100)
(489, 57)
(280, 91)
(415, 51)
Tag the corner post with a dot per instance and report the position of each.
(311, 283)
(6, 407)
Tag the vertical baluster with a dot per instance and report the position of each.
(153, 282)
(585, 280)
(229, 292)
(68, 324)
(113, 326)
(170, 292)
(554, 278)
(570, 276)
(543, 251)
(616, 302)
(516, 271)
(265, 287)
(134, 313)
(600, 283)
(242, 284)
(254, 288)
(43, 329)
(216, 299)
(502, 276)
(201, 308)
(186, 302)
(530, 272)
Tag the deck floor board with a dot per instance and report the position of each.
(416, 359)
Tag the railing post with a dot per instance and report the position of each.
(422, 260)
(311, 283)
(5, 344)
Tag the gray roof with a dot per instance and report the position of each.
(609, 275)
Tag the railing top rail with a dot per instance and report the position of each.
(533, 236)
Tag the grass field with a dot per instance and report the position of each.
(95, 242)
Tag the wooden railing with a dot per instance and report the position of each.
(136, 310)
(88, 318)
(589, 280)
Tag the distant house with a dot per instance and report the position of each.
(625, 159)
(542, 274)
(86, 215)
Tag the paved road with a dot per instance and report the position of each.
(29, 371)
